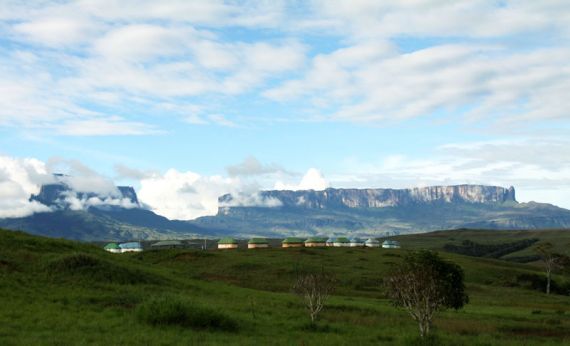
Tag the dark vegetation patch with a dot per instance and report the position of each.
(366, 283)
(189, 256)
(471, 248)
(318, 328)
(430, 340)
(6, 265)
(307, 252)
(84, 267)
(383, 339)
(523, 259)
(352, 309)
(535, 331)
(246, 266)
(538, 283)
(172, 311)
(123, 301)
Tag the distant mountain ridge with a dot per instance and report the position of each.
(349, 212)
(381, 198)
(370, 212)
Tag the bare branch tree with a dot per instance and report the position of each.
(314, 289)
(551, 261)
(425, 284)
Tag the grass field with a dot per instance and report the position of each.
(58, 292)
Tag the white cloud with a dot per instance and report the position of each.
(104, 127)
(312, 180)
(251, 166)
(19, 179)
(184, 195)
(140, 42)
(473, 82)
(537, 168)
(251, 199)
(53, 31)
(74, 202)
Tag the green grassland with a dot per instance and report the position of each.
(59, 292)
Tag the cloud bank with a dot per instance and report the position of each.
(92, 68)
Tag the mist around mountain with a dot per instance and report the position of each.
(348, 212)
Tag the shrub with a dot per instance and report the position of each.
(84, 267)
(471, 248)
(167, 310)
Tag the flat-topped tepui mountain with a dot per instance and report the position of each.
(379, 198)
(359, 212)
(381, 211)
(92, 216)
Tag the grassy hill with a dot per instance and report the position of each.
(63, 292)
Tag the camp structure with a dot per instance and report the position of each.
(391, 244)
(167, 244)
(371, 242)
(341, 242)
(356, 242)
(293, 242)
(316, 242)
(113, 248)
(257, 243)
(330, 241)
(133, 246)
(227, 243)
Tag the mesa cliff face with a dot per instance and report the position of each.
(58, 195)
(380, 198)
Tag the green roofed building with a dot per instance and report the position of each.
(371, 242)
(113, 248)
(293, 242)
(227, 243)
(256, 243)
(391, 244)
(341, 242)
(316, 242)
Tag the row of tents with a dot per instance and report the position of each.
(255, 243)
(133, 246)
(136, 246)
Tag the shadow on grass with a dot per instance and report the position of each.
(318, 328)
(169, 310)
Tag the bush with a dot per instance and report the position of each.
(471, 248)
(167, 310)
(84, 267)
(538, 282)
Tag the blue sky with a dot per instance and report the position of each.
(246, 95)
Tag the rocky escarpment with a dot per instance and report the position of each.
(61, 196)
(379, 198)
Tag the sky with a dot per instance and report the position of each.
(188, 100)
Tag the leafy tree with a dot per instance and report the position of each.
(424, 284)
(314, 288)
(551, 261)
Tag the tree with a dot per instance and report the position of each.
(424, 284)
(314, 288)
(550, 260)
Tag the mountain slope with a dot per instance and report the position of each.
(353, 212)
(91, 216)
